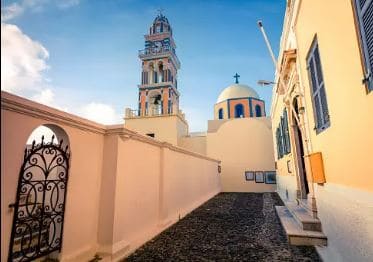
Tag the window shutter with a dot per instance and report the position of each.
(286, 127)
(320, 104)
(278, 143)
(281, 132)
(318, 111)
(365, 16)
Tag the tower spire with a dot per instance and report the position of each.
(160, 11)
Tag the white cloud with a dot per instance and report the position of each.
(45, 97)
(23, 64)
(101, 113)
(23, 61)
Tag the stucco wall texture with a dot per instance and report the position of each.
(345, 201)
(123, 188)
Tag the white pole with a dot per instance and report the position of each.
(281, 82)
(260, 24)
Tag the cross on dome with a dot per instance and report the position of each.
(236, 76)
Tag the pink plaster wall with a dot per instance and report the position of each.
(154, 184)
(123, 189)
(82, 204)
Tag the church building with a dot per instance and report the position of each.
(240, 134)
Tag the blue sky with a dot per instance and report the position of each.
(93, 47)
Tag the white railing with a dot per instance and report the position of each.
(130, 113)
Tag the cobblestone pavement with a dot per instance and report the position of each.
(229, 227)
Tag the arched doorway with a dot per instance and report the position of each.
(39, 208)
(299, 152)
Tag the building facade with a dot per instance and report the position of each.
(322, 119)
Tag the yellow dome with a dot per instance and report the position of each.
(237, 91)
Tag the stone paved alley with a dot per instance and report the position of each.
(229, 227)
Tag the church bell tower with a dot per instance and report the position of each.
(158, 94)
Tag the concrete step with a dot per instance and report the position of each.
(296, 235)
(304, 218)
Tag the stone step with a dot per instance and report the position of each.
(304, 218)
(296, 235)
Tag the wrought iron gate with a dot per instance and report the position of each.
(40, 202)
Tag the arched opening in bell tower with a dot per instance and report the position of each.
(151, 73)
(161, 72)
(155, 103)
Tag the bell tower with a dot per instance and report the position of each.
(158, 94)
(158, 114)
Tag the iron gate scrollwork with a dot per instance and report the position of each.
(40, 202)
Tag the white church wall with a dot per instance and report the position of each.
(242, 144)
(346, 213)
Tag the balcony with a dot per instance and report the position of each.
(154, 52)
(152, 112)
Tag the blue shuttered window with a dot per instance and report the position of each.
(320, 105)
(278, 143)
(282, 136)
(364, 11)
(286, 133)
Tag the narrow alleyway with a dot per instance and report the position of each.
(229, 227)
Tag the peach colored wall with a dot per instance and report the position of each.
(19, 117)
(194, 143)
(184, 185)
(351, 123)
(242, 144)
(224, 106)
(234, 102)
(124, 188)
(167, 128)
(153, 183)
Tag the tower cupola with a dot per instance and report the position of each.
(160, 25)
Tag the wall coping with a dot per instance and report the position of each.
(27, 107)
(125, 133)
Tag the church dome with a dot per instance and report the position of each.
(237, 91)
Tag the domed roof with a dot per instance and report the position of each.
(237, 91)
